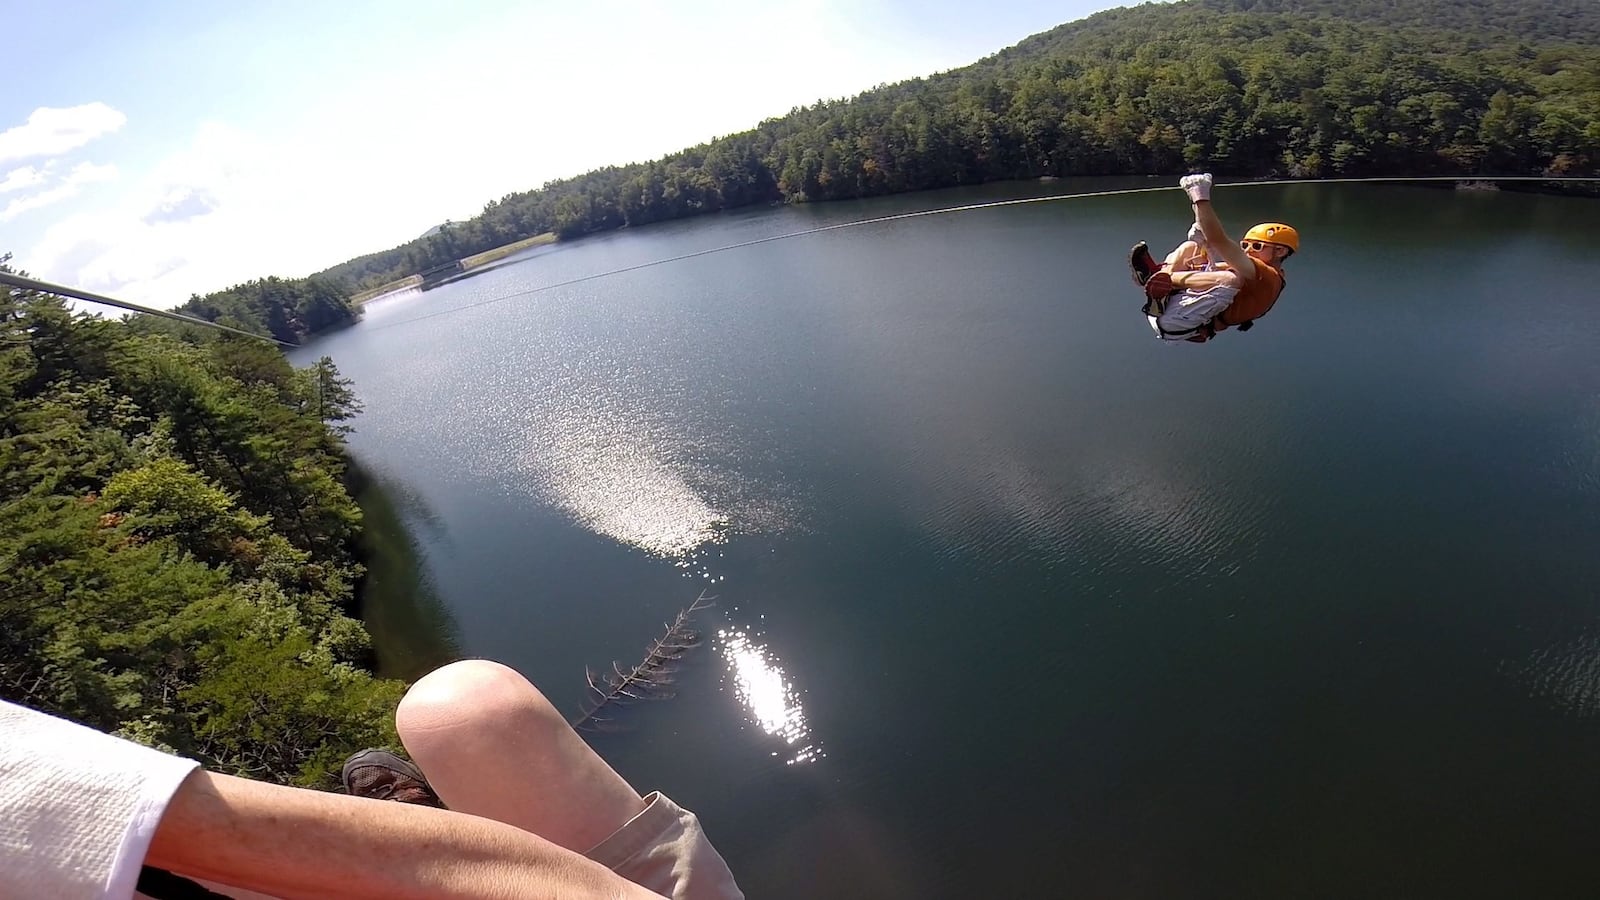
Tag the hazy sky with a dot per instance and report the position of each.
(156, 149)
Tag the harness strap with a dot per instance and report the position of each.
(1205, 328)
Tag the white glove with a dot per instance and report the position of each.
(1196, 234)
(1198, 187)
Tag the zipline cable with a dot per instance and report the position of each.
(46, 287)
(964, 208)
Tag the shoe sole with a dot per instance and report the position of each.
(1136, 256)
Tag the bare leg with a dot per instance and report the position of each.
(493, 746)
(1205, 215)
(1188, 255)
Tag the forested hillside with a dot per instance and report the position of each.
(287, 309)
(1254, 88)
(175, 544)
(1476, 21)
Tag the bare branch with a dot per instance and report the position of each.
(648, 679)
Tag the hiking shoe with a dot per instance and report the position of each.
(380, 775)
(1157, 288)
(1142, 263)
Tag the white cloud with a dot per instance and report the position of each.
(89, 173)
(190, 225)
(51, 132)
(70, 186)
(17, 179)
(35, 201)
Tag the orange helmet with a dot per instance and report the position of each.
(1275, 233)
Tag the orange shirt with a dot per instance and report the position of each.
(1255, 298)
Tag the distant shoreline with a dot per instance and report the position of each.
(468, 263)
(480, 260)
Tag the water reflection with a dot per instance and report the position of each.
(625, 471)
(1567, 674)
(633, 498)
(773, 703)
(412, 631)
(616, 476)
(695, 564)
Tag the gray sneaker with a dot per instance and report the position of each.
(380, 775)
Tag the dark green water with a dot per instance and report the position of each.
(1030, 604)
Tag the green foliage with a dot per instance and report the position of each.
(336, 401)
(176, 545)
(166, 499)
(1299, 88)
(286, 309)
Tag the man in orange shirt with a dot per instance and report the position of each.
(1191, 296)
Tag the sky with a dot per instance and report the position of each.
(164, 148)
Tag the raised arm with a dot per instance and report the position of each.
(1198, 187)
(292, 843)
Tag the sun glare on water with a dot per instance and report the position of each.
(617, 476)
(773, 703)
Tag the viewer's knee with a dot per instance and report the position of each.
(478, 694)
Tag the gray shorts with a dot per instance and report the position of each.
(1187, 311)
(664, 850)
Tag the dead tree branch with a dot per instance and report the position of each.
(649, 680)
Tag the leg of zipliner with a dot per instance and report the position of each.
(493, 746)
(1184, 257)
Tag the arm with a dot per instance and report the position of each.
(1197, 280)
(292, 843)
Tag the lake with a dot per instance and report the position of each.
(1011, 598)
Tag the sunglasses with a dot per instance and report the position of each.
(1256, 245)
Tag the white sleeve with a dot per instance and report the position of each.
(77, 807)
